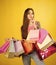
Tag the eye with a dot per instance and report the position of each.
(28, 12)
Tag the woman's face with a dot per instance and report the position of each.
(30, 15)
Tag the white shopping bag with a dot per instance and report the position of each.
(46, 43)
(33, 35)
(11, 50)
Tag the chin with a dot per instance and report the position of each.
(30, 19)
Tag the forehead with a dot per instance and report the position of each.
(30, 11)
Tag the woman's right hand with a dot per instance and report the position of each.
(31, 41)
(33, 22)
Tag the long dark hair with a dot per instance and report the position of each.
(24, 28)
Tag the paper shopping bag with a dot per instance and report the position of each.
(43, 54)
(33, 35)
(28, 47)
(4, 48)
(42, 34)
(47, 52)
(18, 48)
(46, 43)
(11, 50)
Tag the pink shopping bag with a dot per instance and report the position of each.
(18, 48)
(42, 34)
(4, 47)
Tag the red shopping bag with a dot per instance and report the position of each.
(28, 46)
(47, 52)
(4, 47)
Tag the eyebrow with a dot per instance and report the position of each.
(31, 12)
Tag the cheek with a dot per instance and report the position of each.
(30, 16)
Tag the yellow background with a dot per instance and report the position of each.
(11, 16)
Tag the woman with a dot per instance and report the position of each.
(28, 24)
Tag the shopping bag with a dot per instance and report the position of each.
(43, 54)
(47, 52)
(11, 50)
(33, 35)
(4, 48)
(42, 34)
(46, 43)
(54, 44)
(28, 47)
(18, 48)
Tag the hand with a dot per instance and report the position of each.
(31, 41)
